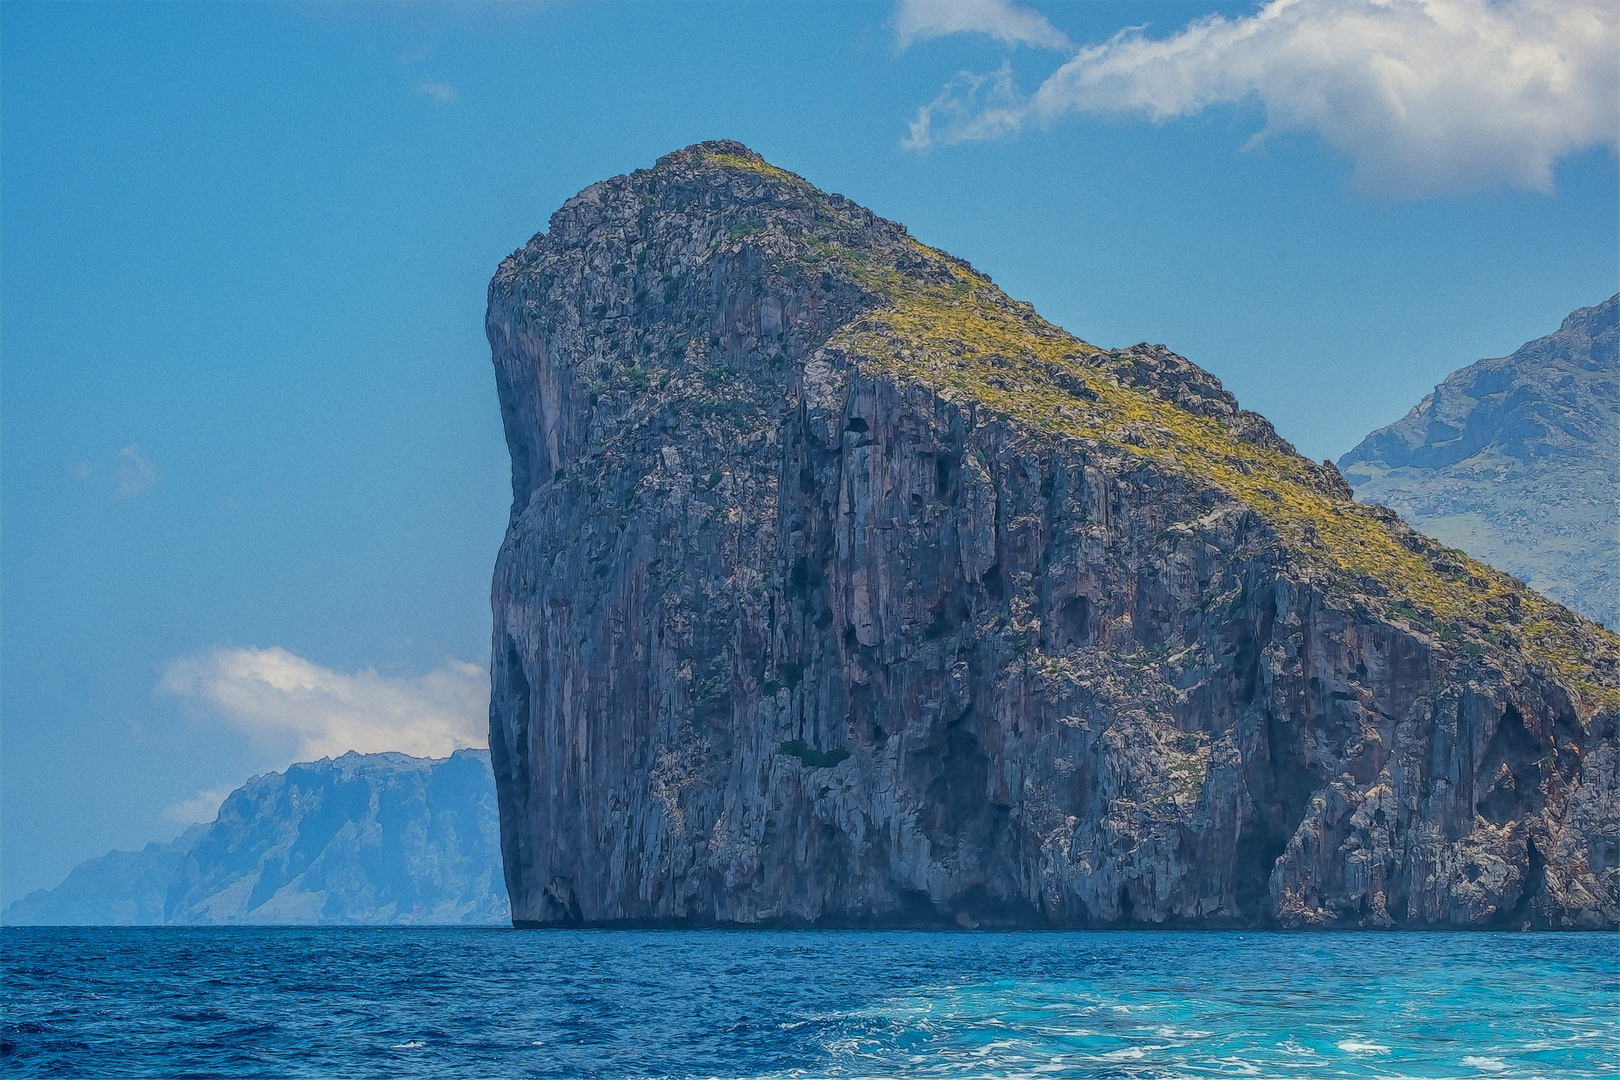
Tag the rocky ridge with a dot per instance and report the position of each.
(364, 839)
(1516, 460)
(842, 589)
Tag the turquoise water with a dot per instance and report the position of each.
(255, 1002)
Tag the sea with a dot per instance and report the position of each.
(492, 1002)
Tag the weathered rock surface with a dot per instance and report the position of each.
(363, 839)
(841, 589)
(1517, 462)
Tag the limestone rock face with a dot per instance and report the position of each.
(841, 589)
(1516, 461)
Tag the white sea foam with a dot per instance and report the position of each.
(1236, 1066)
(412, 1045)
(1489, 1064)
(1356, 1046)
(999, 1046)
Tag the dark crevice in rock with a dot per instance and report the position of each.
(1510, 771)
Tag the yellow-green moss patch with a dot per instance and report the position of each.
(758, 166)
(968, 338)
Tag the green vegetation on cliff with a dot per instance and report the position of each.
(943, 325)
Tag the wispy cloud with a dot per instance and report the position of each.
(1424, 96)
(970, 108)
(920, 20)
(136, 472)
(442, 92)
(274, 694)
(203, 806)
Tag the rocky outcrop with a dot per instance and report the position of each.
(363, 839)
(840, 589)
(1516, 461)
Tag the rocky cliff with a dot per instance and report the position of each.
(363, 839)
(1516, 461)
(841, 589)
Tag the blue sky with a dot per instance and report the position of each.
(252, 477)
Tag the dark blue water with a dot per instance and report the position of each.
(498, 1003)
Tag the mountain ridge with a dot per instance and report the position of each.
(362, 839)
(1516, 460)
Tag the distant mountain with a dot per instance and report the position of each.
(1517, 462)
(363, 839)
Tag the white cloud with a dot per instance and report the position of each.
(971, 108)
(1424, 96)
(920, 20)
(272, 693)
(203, 806)
(136, 472)
(442, 92)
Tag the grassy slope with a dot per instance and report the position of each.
(960, 335)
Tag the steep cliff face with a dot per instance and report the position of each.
(1516, 460)
(362, 839)
(841, 589)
